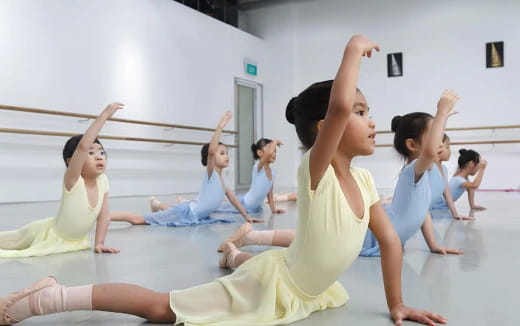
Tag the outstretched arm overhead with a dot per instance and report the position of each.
(213, 145)
(431, 145)
(341, 101)
(81, 153)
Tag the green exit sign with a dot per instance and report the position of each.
(251, 69)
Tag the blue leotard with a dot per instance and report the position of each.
(196, 211)
(407, 211)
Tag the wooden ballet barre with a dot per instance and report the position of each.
(90, 116)
(479, 142)
(466, 128)
(70, 134)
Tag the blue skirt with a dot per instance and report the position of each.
(227, 207)
(180, 215)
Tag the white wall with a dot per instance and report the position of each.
(165, 61)
(443, 45)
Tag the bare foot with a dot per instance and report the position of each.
(155, 204)
(237, 239)
(227, 260)
(180, 199)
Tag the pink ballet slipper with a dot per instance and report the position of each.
(227, 260)
(237, 237)
(8, 301)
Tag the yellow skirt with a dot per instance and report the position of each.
(38, 238)
(260, 292)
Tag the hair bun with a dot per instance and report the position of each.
(289, 110)
(395, 122)
(462, 151)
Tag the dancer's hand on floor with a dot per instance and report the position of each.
(444, 251)
(255, 220)
(100, 248)
(401, 312)
(463, 217)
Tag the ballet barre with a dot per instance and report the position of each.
(466, 128)
(480, 142)
(91, 116)
(70, 134)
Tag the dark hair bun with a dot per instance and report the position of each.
(289, 110)
(462, 151)
(395, 122)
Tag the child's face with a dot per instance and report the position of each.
(359, 136)
(221, 157)
(473, 167)
(261, 154)
(96, 161)
(445, 152)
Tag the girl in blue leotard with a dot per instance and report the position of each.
(417, 139)
(441, 193)
(262, 176)
(215, 158)
(469, 164)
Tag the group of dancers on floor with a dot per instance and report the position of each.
(340, 215)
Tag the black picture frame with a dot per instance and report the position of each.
(394, 64)
(495, 54)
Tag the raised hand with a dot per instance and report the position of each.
(225, 119)
(447, 101)
(112, 108)
(401, 312)
(359, 42)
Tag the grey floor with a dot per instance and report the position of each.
(478, 288)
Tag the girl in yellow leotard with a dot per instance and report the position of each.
(84, 200)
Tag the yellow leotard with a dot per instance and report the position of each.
(282, 286)
(63, 233)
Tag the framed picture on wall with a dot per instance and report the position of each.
(394, 63)
(494, 54)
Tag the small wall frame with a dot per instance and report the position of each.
(495, 54)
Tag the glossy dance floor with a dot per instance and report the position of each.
(480, 287)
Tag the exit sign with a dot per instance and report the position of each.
(250, 67)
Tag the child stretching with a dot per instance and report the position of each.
(84, 200)
(469, 164)
(336, 205)
(214, 158)
(438, 177)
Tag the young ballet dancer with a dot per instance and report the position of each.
(337, 205)
(84, 200)
(262, 176)
(438, 178)
(469, 164)
(417, 139)
(214, 157)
